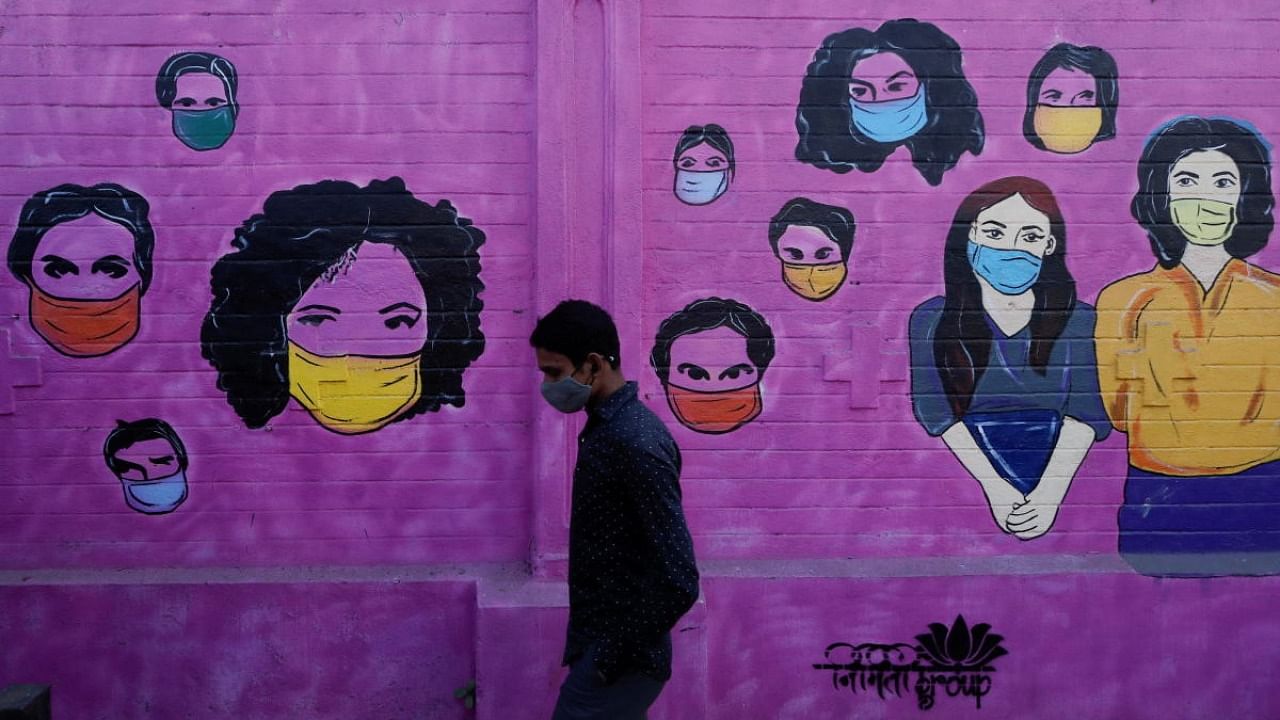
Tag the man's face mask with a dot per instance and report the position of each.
(567, 394)
(353, 394)
(86, 328)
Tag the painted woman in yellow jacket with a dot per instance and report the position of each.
(1189, 358)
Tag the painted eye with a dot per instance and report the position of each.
(693, 372)
(687, 162)
(113, 269)
(214, 102)
(858, 92)
(315, 320)
(1051, 95)
(739, 369)
(57, 268)
(406, 321)
(896, 87)
(794, 253)
(714, 162)
(993, 233)
(185, 102)
(1224, 183)
(822, 254)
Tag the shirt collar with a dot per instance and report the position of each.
(612, 404)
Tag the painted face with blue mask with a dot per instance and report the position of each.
(1008, 243)
(886, 99)
(152, 472)
(702, 175)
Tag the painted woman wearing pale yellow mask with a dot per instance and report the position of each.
(360, 303)
(1072, 95)
(1187, 358)
(813, 242)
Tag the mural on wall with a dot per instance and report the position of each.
(84, 254)
(1003, 365)
(957, 660)
(868, 92)
(703, 163)
(199, 90)
(813, 242)
(149, 459)
(361, 303)
(1072, 96)
(1186, 358)
(710, 358)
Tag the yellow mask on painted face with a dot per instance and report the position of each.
(1067, 130)
(352, 394)
(1204, 222)
(815, 282)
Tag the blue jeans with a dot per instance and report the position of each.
(1202, 526)
(584, 697)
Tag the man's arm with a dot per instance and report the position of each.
(671, 584)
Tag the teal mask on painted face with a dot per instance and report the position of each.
(204, 129)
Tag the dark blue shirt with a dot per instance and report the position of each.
(631, 566)
(1069, 385)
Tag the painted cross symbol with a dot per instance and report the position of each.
(15, 372)
(874, 358)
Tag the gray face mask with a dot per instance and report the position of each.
(566, 394)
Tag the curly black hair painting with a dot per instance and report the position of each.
(868, 92)
(360, 303)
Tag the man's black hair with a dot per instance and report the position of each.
(575, 329)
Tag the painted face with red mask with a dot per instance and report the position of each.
(86, 289)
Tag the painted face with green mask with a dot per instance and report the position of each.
(204, 117)
(1204, 192)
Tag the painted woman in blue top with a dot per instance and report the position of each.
(1003, 366)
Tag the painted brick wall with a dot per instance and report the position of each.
(310, 573)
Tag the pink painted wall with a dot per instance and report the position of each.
(320, 575)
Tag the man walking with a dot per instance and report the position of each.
(631, 567)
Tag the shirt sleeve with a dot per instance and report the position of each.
(670, 585)
(1084, 399)
(928, 398)
(1114, 341)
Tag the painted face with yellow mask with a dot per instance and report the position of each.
(812, 264)
(1204, 192)
(355, 341)
(1067, 115)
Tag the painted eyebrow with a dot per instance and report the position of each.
(115, 258)
(399, 306)
(55, 258)
(895, 76)
(1228, 173)
(995, 222)
(325, 308)
(161, 459)
(863, 83)
(1188, 173)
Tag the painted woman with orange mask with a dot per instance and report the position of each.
(710, 358)
(85, 255)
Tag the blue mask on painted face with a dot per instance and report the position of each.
(695, 187)
(204, 129)
(1010, 272)
(156, 497)
(892, 120)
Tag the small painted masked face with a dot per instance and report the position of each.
(702, 175)
(1067, 117)
(355, 341)
(1008, 243)
(203, 117)
(712, 385)
(86, 259)
(812, 265)
(1204, 195)
(152, 477)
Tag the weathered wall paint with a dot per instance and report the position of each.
(313, 573)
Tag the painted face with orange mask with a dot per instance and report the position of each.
(86, 288)
(712, 376)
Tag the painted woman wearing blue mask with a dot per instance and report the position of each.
(869, 92)
(1003, 366)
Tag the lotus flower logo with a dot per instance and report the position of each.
(960, 647)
